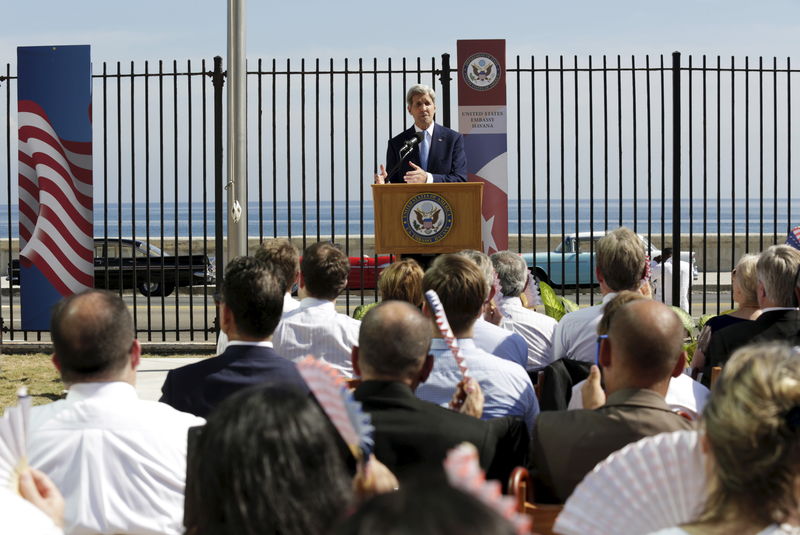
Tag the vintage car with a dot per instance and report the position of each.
(572, 262)
(364, 271)
(127, 264)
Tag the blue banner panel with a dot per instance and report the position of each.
(54, 93)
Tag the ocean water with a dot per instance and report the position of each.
(528, 217)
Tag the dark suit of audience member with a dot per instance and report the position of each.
(643, 351)
(412, 435)
(777, 271)
(198, 388)
(558, 380)
(252, 301)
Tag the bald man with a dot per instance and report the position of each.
(411, 435)
(644, 349)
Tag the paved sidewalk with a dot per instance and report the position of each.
(152, 372)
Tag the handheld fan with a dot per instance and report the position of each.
(655, 483)
(446, 331)
(464, 472)
(352, 423)
(13, 440)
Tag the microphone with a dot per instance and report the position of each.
(413, 141)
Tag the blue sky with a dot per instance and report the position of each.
(195, 29)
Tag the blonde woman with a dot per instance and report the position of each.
(745, 285)
(752, 440)
(401, 281)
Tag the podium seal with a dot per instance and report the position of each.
(427, 218)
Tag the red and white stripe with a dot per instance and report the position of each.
(55, 202)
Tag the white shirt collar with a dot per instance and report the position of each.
(771, 309)
(310, 302)
(111, 389)
(428, 131)
(263, 343)
(608, 297)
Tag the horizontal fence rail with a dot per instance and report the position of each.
(591, 146)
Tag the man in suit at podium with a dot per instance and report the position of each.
(426, 152)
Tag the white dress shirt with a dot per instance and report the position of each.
(683, 394)
(661, 278)
(507, 389)
(316, 328)
(500, 342)
(429, 139)
(576, 334)
(119, 461)
(289, 304)
(21, 516)
(536, 329)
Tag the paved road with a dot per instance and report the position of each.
(152, 372)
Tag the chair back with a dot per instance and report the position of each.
(543, 516)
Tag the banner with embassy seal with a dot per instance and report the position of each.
(482, 121)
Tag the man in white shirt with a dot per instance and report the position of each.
(316, 327)
(537, 329)
(282, 255)
(489, 337)
(506, 387)
(661, 280)
(119, 461)
(620, 266)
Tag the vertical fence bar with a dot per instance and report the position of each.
(788, 145)
(333, 174)
(605, 144)
(733, 169)
(746, 154)
(148, 273)
(119, 176)
(619, 133)
(361, 255)
(274, 115)
(577, 200)
(635, 136)
(562, 176)
(288, 149)
(161, 192)
(133, 199)
(9, 203)
(719, 182)
(303, 146)
(662, 122)
(775, 149)
(676, 176)
(534, 230)
(649, 157)
(547, 153)
(260, 141)
(204, 152)
(445, 81)
(591, 176)
(705, 185)
(218, 81)
(189, 185)
(347, 170)
(176, 191)
(690, 123)
(760, 153)
(316, 149)
(519, 163)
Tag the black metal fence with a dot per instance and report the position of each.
(594, 143)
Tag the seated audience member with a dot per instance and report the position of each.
(425, 507)
(249, 310)
(620, 266)
(119, 461)
(316, 327)
(642, 352)
(489, 337)
(267, 462)
(537, 329)
(401, 281)
(507, 389)
(411, 435)
(282, 256)
(752, 441)
(778, 293)
(36, 507)
(683, 394)
(744, 284)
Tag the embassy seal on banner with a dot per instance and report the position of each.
(482, 121)
(56, 219)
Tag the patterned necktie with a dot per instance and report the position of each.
(424, 147)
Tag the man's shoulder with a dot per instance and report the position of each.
(492, 365)
(440, 130)
(533, 318)
(402, 136)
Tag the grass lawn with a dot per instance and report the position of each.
(37, 372)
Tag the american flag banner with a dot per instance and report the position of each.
(482, 120)
(55, 178)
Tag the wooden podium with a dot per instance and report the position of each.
(427, 218)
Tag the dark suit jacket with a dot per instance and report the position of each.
(413, 435)
(568, 444)
(446, 159)
(775, 325)
(199, 387)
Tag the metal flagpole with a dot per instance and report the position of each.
(237, 131)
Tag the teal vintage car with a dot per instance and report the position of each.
(572, 262)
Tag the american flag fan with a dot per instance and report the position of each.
(54, 96)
